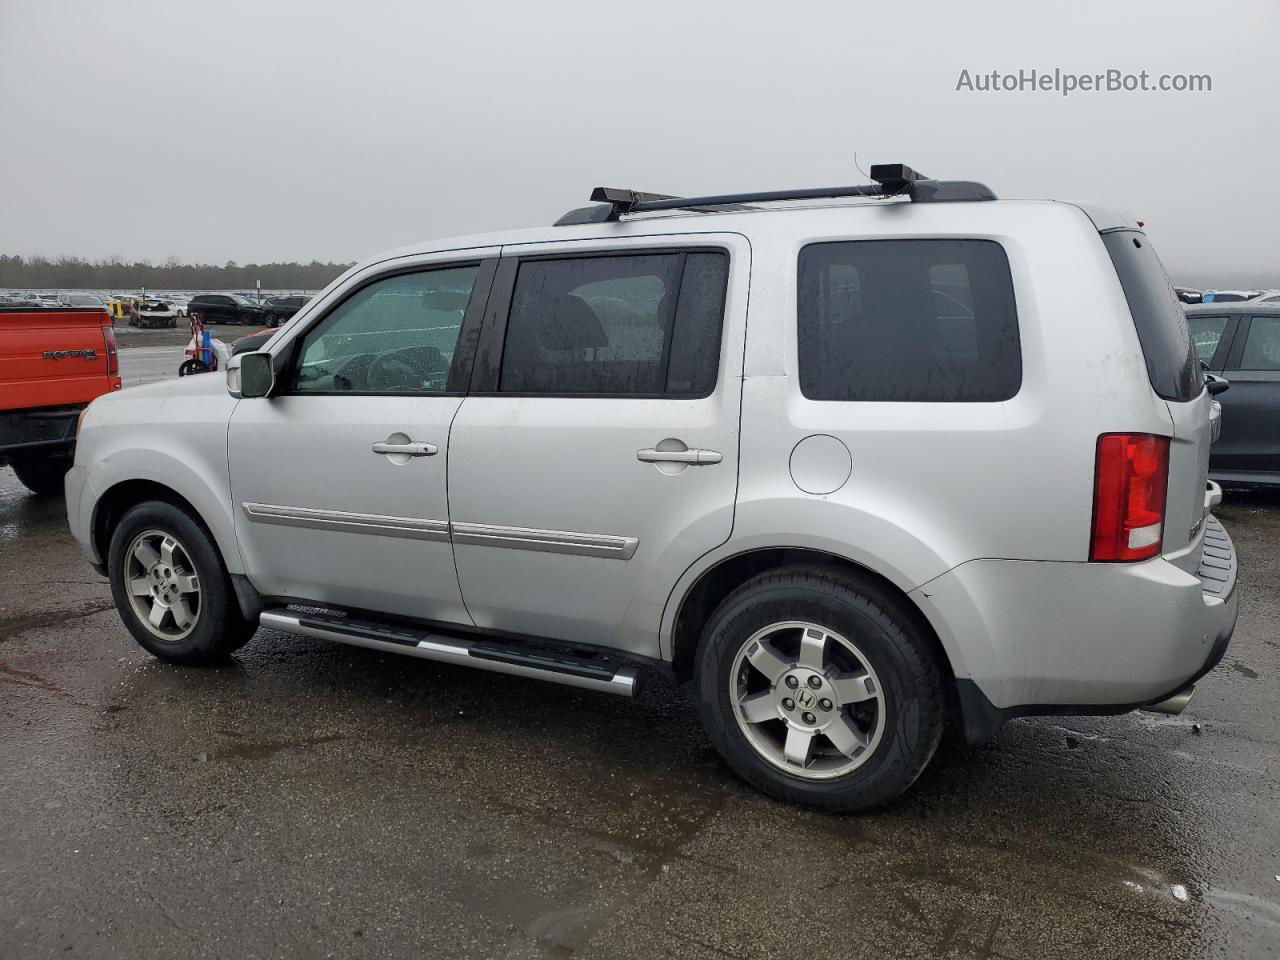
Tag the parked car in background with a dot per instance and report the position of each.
(795, 455)
(153, 312)
(1269, 296)
(53, 361)
(89, 300)
(1241, 342)
(41, 299)
(178, 300)
(225, 308)
(1189, 294)
(279, 309)
(1229, 296)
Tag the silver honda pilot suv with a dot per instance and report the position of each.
(857, 462)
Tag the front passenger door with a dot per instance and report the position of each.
(338, 479)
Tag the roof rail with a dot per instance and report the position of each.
(891, 180)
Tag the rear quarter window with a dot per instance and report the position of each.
(907, 321)
(1157, 315)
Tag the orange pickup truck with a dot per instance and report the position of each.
(53, 362)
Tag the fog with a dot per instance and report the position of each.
(259, 131)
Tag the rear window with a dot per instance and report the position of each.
(908, 321)
(1157, 315)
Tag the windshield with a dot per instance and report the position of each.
(242, 300)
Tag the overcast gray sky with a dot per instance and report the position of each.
(257, 130)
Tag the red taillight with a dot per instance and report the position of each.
(1130, 479)
(113, 355)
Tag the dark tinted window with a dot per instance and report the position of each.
(1262, 348)
(908, 320)
(638, 324)
(1172, 366)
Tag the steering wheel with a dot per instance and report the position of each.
(389, 372)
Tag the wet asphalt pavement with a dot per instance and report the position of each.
(314, 800)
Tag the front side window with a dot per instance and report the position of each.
(1262, 348)
(907, 321)
(625, 325)
(1206, 334)
(396, 335)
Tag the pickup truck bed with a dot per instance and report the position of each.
(53, 362)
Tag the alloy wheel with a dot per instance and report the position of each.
(807, 699)
(162, 584)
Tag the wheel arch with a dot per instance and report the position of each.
(117, 499)
(712, 585)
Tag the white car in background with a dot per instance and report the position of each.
(179, 302)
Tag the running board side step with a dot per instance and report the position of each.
(482, 654)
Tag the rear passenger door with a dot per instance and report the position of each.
(1250, 437)
(596, 456)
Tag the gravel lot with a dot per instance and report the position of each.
(314, 800)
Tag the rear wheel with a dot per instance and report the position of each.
(171, 588)
(43, 477)
(820, 689)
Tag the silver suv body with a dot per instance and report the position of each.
(855, 468)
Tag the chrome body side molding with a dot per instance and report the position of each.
(410, 528)
(475, 534)
(548, 541)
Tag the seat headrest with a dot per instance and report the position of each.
(574, 326)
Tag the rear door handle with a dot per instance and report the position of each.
(695, 457)
(409, 449)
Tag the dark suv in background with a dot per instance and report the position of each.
(279, 309)
(1241, 342)
(226, 308)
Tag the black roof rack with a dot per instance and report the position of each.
(891, 180)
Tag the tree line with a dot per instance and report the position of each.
(115, 273)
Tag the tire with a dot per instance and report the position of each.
(214, 628)
(191, 367)
(43, 477)
(884, 699)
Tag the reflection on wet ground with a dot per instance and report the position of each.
(313, 800)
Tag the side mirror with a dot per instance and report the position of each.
(250, 375)
(1216, 385)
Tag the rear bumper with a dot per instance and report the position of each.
(38, 432)
(1031, 637)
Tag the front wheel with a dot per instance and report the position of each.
(171, 588)
(820, 689)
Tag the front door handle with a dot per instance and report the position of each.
(410, 449)
(695, 457)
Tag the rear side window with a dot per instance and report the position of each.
(1157, 315)
(626, 325)
(908, 321)
(1262, 348)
